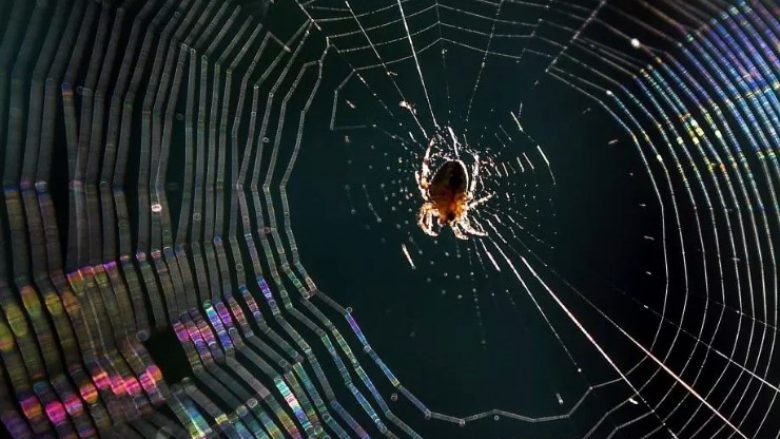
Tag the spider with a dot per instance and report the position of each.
(449, 194)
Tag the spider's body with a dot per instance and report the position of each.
(448, 190)
(448, 195)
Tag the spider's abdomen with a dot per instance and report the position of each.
(447, 190)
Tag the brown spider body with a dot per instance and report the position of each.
(448, 190)
(448, 193)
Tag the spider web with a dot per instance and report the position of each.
(221, 158)
(565, 40)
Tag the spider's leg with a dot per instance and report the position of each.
(455, 226)
(474, 176)
(426, 162)
(429, 221)
(424, 219)
(484, 199)
(422, 185)
(468, 228)
(421, 215)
